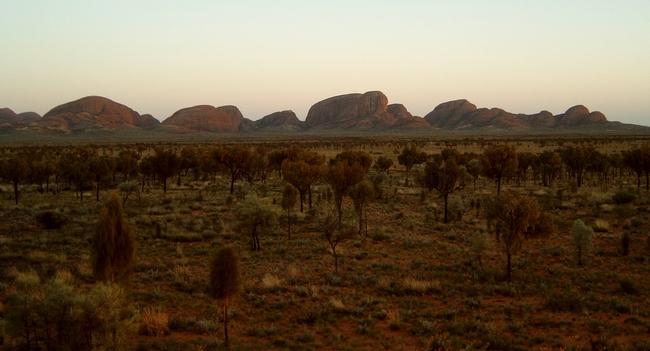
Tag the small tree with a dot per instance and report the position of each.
(342, 176)
(165, 164)
(15, 171)
(63, 317)
(100, 170)
(335, 232)
(517, 215)
(446, 179)
(236, 160)
(127, 188)
(481, 243)
(362, 194)
(377, 179)
(499, 162)
(576, 158)
(255, 215)
(474, 169)
(582, 237)
(409, 157)
(113, 245)
(289, 199)
(383, 164)
(225, 281)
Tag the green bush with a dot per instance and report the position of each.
(567, 301)
(75, 320)
(379, 236)
(623, 197)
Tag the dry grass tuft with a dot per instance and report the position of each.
(38, 256)
(314, 291)
(606, 208)
(600, 226)
(181, 274)
(154, 323)
(393, 316)
(540, 192)
(293, 272)
(64, 275)
(383, 283)
(85, 269)
(337, 304)
(271, 282)
(420, 286)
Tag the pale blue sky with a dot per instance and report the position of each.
(265, 56)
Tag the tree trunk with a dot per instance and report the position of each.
(446, 197)
(498, 186)
(289, 221)
(336, 261)
(509, 267)
(309, 192)
(579, 178)
(225, 322)
(16, 192)
(339, 204)
(579, 256)
(360, 220)
(366, 223)
(302, 198)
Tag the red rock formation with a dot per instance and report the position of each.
(579, 115)
(351, 111)
(8, 116)
(449, 113)
(207, 118)
(542, 119)
(98, 112)
(463, 114)
(405, 120)
(279, 121)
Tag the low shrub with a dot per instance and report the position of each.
(627, 286)
(51, 219)
(623, 197)
(567, 301)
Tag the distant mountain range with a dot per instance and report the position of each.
(368, 112)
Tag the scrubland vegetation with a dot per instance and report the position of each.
(465, 244)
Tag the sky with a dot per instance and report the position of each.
(263, 56)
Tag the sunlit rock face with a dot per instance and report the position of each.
(92, 113)
(352, 111)
(207, 118)
(101, 110)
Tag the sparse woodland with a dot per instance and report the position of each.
(338, 244)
